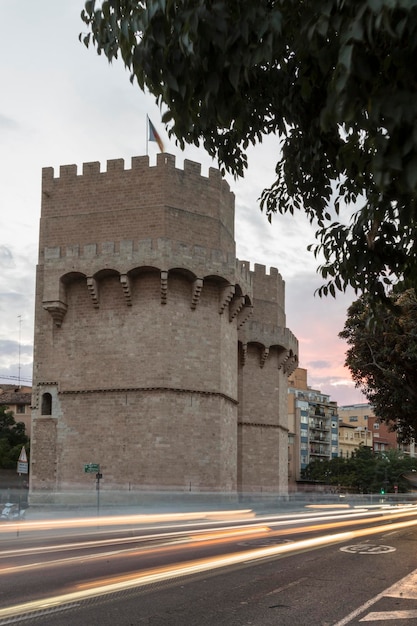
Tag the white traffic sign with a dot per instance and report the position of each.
(22, 463)
(22, 456)
(22, 467)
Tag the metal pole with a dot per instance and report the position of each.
(20, 334)
(147, 133)
(98, 476)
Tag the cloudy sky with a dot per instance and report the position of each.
(63, 104)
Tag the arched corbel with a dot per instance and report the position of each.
(227, 294)
(282, 358)
(264, 356)
(127, 288)
(244, 315)
(164, 286)
(56, 310)
(92, 287)
(195, 297)
(235, 307)
(244, 354)
(291, 365)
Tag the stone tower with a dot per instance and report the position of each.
(158, 355)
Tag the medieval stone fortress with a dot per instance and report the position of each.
(158, 354)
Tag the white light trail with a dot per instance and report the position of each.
(128, 581)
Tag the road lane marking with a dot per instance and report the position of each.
(385, 615)
(406, 588)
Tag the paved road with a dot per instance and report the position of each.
(341, 583)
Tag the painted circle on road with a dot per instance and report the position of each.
(367, 548)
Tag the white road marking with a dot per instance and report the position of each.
(367, 548)
(406, 588)
(385, 615)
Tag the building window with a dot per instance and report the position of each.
(353, 418)
(21, 408)
(46, 404)
(376, 426)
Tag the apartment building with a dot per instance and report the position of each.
(351, 438)
(17, 399)
(367, 430)
(313, 426)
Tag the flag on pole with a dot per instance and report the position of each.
(154, 136)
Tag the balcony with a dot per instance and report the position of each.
(320, 425)
(320, 451)
(320, 438)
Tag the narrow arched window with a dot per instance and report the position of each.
(46, 404)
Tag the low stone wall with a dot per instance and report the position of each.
(13, 488)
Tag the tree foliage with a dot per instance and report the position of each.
(12, 438)
(382, 357)
(365, 471)
(335, 81)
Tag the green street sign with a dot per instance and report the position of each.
(91, 468)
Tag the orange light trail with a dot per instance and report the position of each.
(123, 520)
(119, 583)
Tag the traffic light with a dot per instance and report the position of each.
(382, 491)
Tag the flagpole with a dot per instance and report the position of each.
(147, 133)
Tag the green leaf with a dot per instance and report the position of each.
(345, 56)
(335, 86)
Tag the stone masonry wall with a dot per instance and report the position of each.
(154, 346)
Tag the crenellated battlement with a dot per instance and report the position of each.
(129, 255)
(267, 289)
(139, 164)
(258, 274)
(141, 203)
(265, 281)
(268, 335)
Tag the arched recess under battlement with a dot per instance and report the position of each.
(127, 284)
(196, 283)
(291, 363)
(97, 280)
(280, 357)
(245, 311)
(132, 277)
(106, 272)
(240, 307)
(287, 359)
(253, 350)
(56, 301)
